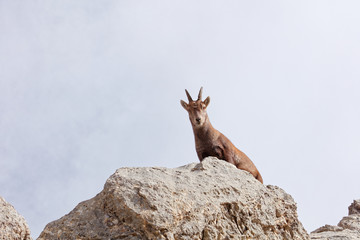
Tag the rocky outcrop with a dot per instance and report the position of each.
(208, 200)
(12, 225)
(347, 229)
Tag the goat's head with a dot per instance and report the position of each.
(196, 109)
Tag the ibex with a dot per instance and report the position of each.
(211, 142)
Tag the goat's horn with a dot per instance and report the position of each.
(200, 93)
(188, 96)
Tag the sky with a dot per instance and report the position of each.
(87, 87)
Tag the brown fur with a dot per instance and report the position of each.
(211, 142)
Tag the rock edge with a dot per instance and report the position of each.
(12, 225)
(347, 229)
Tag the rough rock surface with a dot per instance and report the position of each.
(12, 225)
(208, 200)
(347, 229)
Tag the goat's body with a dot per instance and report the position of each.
(211, 142)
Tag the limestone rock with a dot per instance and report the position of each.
(354, 208)
(208, 200)
(347, 229)
(12, 225)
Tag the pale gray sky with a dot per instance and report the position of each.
(87, 87)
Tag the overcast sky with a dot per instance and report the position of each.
(87, 87)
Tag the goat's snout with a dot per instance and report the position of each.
(198, 120)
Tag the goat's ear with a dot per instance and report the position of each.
(184, 105)
(206, 101)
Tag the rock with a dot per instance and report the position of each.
(12, 225)
(354, 208)
(208, 200)
(347, 229)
